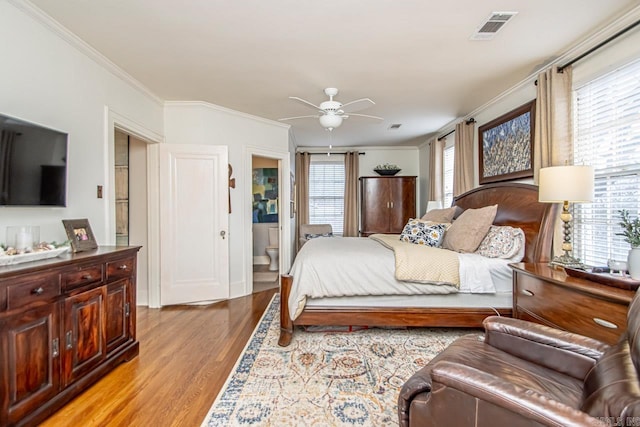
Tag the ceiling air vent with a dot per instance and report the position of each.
(395, 126)
(488, 29)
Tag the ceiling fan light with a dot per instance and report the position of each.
(330, 121)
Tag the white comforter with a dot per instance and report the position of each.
(352, 266)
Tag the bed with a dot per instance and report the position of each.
(518, 206)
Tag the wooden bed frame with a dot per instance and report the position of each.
(518, 206)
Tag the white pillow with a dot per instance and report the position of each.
(503, 242)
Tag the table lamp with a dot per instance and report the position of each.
(566, 184)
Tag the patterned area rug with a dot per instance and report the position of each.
(324, 377)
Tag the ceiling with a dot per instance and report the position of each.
(414, 58)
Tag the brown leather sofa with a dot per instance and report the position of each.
(525, 374)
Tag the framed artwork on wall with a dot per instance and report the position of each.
(506, 146)
(79, 234)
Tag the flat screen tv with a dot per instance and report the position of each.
(33, 164)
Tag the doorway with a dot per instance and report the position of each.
(130, 183)
(266, 214)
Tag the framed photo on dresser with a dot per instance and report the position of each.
(79, 234)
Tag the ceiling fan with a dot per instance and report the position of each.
(331, 113)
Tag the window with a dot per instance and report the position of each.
(326, 194)
(607, 136)
(447, 175)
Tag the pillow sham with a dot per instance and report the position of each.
(503, 242)
(440, 215)
(423, 232)
(468, 230)
(313, 236)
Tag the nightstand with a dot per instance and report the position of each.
(546, 295)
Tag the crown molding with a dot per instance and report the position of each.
(577, 49)
(76, 42)
(225, 110)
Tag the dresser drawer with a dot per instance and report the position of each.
(81, 276)
(120, 268)
(570, 309)
(39, 289)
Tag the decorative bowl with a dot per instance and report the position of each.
(387, 172)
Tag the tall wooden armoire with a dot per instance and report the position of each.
(387, 203)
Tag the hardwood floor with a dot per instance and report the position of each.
(186, 354)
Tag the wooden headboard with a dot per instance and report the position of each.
(518, 206)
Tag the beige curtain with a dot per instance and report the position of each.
(436, 152)
(351, 163)
(553, 136)
(302, 192)
(463, 158)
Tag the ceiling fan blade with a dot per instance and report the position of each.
(315, 116)
(362, 115)
(359, 101)
(305, 102)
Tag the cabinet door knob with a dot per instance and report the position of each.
(526, 292)
(69, 340)
(37, 291)
(122, 267)
(87, 277)
(56, 347)
(605, 323)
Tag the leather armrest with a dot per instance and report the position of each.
(526, 403)
(418, 383)
(562, 351)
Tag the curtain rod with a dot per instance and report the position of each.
(598, 46)
(331, 152)
(468, 122)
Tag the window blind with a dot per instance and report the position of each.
(326, 194)
(607, 136)
(447, 178)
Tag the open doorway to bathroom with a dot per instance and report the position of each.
(130, 182)
(266, 214)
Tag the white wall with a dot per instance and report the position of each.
(45, 80)
(203, 123)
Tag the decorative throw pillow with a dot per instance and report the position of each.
(313, 236)
(423, 233)
(503, 242)
(468, 230)
(440, 215)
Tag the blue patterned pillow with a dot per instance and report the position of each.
(423, 232)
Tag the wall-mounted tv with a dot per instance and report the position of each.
(33, 164)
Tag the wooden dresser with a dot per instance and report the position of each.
(64, 323)
(387, 203)
(548, 296)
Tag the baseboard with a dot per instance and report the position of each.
(261, 260)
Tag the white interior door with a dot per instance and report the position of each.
(194, 223)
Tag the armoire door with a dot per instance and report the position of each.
(375, 195)
(403, 202)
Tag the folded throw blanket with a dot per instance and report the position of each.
(421, 263)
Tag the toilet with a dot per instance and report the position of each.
(273, 250)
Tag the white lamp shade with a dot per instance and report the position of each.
(330, 121)
(558, 184)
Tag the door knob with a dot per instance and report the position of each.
(223, 233)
